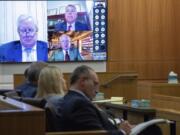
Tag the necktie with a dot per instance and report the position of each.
(28, 54)
(67, 58)
(69, 27)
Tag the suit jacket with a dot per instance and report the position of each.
(58, 55)
(78, 26)
(12, 51)
(78, 113)
(27, 89)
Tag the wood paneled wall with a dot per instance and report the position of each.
(144, 36)
(114, 84)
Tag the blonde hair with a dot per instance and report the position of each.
(50, 82)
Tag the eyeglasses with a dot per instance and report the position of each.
(28, 30)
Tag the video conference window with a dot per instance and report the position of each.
(76, 29)
(72, 35)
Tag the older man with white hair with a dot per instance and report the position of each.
(28, 48)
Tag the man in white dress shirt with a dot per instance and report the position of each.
(28, 48)
(71, 23)
(66, 52)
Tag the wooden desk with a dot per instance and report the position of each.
(145, 113)
(17, 118)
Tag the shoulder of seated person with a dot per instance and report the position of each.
(10, 43)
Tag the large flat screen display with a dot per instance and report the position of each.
(76, 30)
(78, 26)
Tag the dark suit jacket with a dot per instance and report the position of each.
(78, 113)
(78, 26)
(12, 51)
(27, 89)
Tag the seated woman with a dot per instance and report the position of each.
(51, 85)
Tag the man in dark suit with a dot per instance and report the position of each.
(66, 52)
(28, 48)
(78, 112)
(71, 23)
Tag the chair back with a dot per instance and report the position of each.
(5, 91)
(13, 93)
(53, 115)
(38, 102)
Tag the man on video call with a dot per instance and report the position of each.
(66, 52)
(71, 23)
(28, 48)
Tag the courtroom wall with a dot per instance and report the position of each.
(144, 36)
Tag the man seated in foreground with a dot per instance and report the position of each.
(79, 113)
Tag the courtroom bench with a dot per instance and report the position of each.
(17, 118)
(165, 98)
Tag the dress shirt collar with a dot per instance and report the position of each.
(64, 51)
(33, 48)
(81, 93)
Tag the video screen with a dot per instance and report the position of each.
(77, 30)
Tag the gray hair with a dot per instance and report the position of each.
(82, 70)
(23, 18)
(70, 5)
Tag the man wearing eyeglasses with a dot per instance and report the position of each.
(28, 48)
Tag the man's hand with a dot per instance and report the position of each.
(126, 127)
